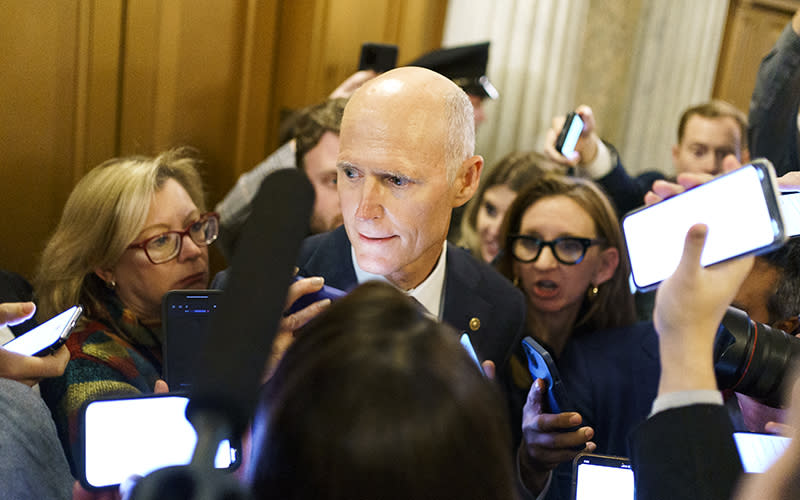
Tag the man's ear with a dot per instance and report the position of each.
(609, 260)
(676, 151)
(745, 156)
(789, 325)
(468, 179)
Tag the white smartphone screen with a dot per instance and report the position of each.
(790, 209)
(603, 478)
(52, 331)
(739, 208)
(573, 134)
(138, 435)
(759, 451)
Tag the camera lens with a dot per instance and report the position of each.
(752, 358)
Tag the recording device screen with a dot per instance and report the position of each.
(598, 477)
(759, 451)
(48, 336)
(186, 315)
(739, 208)
(123, 437)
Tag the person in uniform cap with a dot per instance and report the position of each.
(466, 66)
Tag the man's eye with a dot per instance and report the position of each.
(397, 181)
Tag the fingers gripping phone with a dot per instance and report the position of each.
(740, 209)
(570, 133)
(326, 292)
(130, 436)
(47, 337)
(380, 57)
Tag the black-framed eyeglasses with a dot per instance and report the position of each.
(166, 246)
(568, 250)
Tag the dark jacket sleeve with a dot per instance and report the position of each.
(773, 107)
(685, 452)
(626, 192)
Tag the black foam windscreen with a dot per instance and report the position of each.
(241, 333)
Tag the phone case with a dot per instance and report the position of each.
(562, 136)
(28, 343)
(541, 365)
(186, 317)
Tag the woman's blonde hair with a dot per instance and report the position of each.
(103, 215)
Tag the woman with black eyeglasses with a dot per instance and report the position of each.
(132, 229)
(562, 245)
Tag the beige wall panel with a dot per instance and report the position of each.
(751, 31)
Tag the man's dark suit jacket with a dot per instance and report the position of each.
(477, 300)
(685, 452)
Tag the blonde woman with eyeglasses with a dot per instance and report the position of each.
(132, 229)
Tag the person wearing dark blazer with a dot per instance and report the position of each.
(477, 299)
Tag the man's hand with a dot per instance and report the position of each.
(545, 442)
(28, 369)
(689, 307)
(14, 313)
(586, 148)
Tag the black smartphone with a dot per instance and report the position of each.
(47, 337)
(185, 316)
(136, 435)
(541, 365)
(741, 210)
(327, 292)
(570, 133)
(759, 451)
(379, 57)
(596, 477)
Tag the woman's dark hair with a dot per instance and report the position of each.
(376, 400)
(613, 306)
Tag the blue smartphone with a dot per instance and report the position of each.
(327, 292)
(541, 365)
(470, 350)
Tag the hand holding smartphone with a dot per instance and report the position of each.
(47, 337)
(741, 211)
(327, 292)
(569, 135)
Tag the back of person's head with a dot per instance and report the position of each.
(311, 123)
(515, 170)
(715, 108)
(785, 302)
(105, 212)
(613, 306)
(374, 399)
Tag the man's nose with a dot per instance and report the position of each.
(370, 205)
